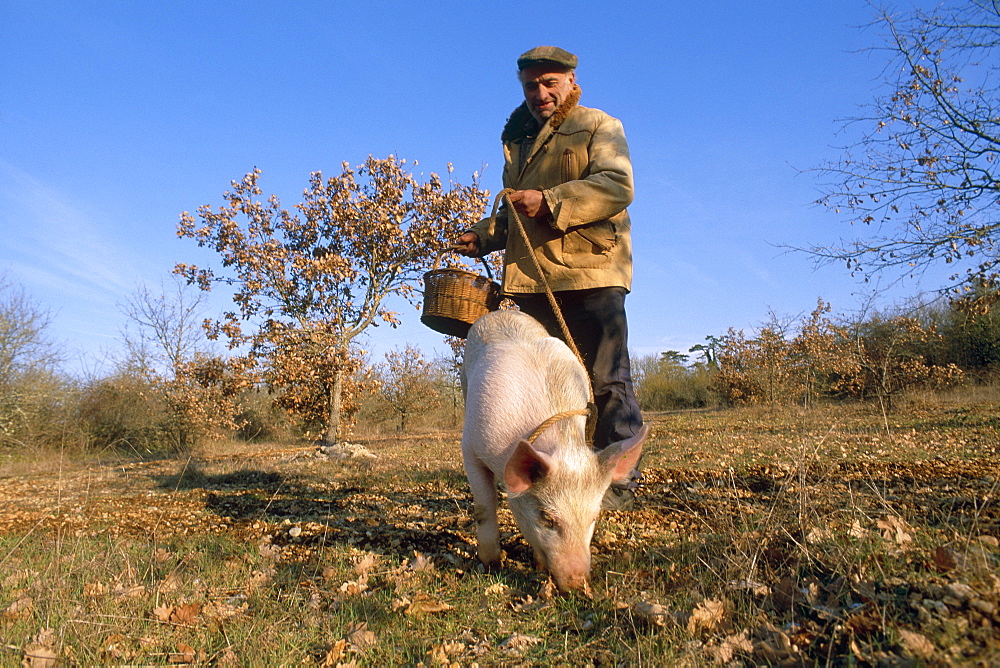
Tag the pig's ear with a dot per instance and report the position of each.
(621, 457)
(525, 467)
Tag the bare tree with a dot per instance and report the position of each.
(24, 345)
(164, 328)
(921, 183)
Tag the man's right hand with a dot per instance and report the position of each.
(468, 245)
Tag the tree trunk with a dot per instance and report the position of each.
(334, 394)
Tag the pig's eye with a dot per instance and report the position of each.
(546, 520)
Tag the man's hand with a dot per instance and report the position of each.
(530, 203)
(468, 245)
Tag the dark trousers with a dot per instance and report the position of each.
(596, 321)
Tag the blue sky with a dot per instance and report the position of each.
(117, 116)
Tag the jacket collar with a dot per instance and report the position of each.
(522, 124)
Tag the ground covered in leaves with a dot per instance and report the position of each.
(837, 535)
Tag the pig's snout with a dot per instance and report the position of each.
(577, 583)
(572, 575)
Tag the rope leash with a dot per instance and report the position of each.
(556, 309)
(591, 410)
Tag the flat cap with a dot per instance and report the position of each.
(546, 54)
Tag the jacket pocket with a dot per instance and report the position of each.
(589, 245)
(568, 168)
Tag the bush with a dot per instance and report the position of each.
(36, 411)
(260, 419)
(125, 412)
(664, 382)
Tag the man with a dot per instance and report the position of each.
(569, 166)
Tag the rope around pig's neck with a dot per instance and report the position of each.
(591, 410)
(556, 418)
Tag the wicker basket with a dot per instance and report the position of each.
(455, 298)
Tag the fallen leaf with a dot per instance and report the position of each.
(171, 583)
(354, 588)
(421, 563)
(115, 648)
(947, 559)
(818, 535)
(706, 615)
(894, 528)
(773, 646)
(437, 656)
(220, 611)
(94, 589)
(227, 658)
(40, 656)
(22, 608)
(498, 589)
(441, 655)
(335, 654)
(422, 604)
(785, 595)
(260, 578)
(184, 654)
(519, 642)
(732, 645)
(857, 531)
(365, 564)
(916, 645)
(133, 591)
(653, 614)
(181, 614)
(269, 551)
(361, 637)
(185, 614)
(548, 590)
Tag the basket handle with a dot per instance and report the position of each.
(454, 249)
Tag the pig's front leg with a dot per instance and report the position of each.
(484, 495)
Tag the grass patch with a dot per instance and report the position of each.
(837, 535)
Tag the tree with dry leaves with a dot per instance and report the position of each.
(755, 369)
(921, 182)
(887, 356)
(872, 357)
(409, 383)
(308, 283)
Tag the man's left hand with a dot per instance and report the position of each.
(530, 203)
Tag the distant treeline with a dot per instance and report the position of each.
(877, 356)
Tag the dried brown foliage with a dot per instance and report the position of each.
(204, 397)
(876, 358)
(308, 283)
(760, 537)
(409, 383)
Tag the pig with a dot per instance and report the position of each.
(514, 377)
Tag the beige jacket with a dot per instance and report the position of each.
(580, 162)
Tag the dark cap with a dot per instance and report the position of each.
(546, 54)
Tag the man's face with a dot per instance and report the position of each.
(545, 88)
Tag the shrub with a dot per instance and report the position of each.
(664, 382)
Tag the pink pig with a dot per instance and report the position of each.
(515, 376)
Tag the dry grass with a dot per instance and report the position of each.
(833, 536)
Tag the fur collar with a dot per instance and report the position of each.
(522, 124)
